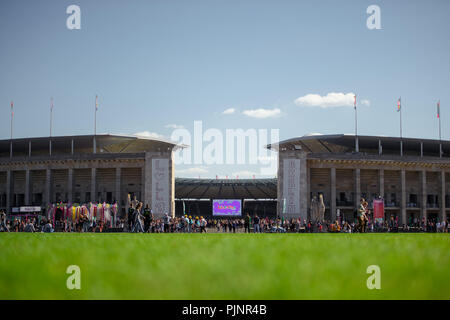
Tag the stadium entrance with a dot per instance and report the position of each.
(225, 197)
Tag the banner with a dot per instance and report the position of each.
(160, 186)
(378, 210)
(291, 186)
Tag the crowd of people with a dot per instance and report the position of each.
(140, 219)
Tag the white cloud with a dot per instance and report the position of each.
(174, 126)
(262, 113)
(148, 134)
(229, 111)
(331, 100)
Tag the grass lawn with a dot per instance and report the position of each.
(224, 266)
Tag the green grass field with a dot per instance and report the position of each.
(224, 266)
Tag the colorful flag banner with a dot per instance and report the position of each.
(399, 104)
(439, 109)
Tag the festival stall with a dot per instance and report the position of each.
(94, 212)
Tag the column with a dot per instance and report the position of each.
(70, 185)
(357, 186)
(303, 188)
(9, 190)
(118, 185)
(381, 174)
(27, 187)
(94, 185)
(333, 194)
(148, 179)
(143, 186)
(48, 187)
(442, 215)
(423, 206)
(403, 198)
(308, 192)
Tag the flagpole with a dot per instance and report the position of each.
(440, 136)
(51, 116)
(401, 134)
(95, 125)
(51, 120)
(12, 116)
(356, 129)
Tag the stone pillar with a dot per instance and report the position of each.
(442, 215)
(403, 197)
(357, 186)
(308, 193)
(70, 185)
(48, 186)
(148, 179)
(143, 186)
(27, 187)
(94, 184)
(423, 206)
(172, 185)
(381, 185)
(303, 187)
(333, 194)
(118, 185)
(9, 190)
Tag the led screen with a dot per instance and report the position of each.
(229, 208)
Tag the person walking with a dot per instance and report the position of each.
(202, 225)
(137, 223)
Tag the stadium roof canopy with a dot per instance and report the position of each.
(345, 143)
(186, 188)
(106, 143)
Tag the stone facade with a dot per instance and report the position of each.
(413, 187)
(41, 180)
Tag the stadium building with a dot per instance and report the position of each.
(35, 172)
(411, 175)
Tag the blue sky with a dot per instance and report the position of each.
(156, 63)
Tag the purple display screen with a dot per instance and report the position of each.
(226, 207)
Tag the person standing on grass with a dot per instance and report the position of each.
(247, 222)
(256, 227)
(3, 226)
(147, 218)
(48, 228)
(166, 221)
(29, 227)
